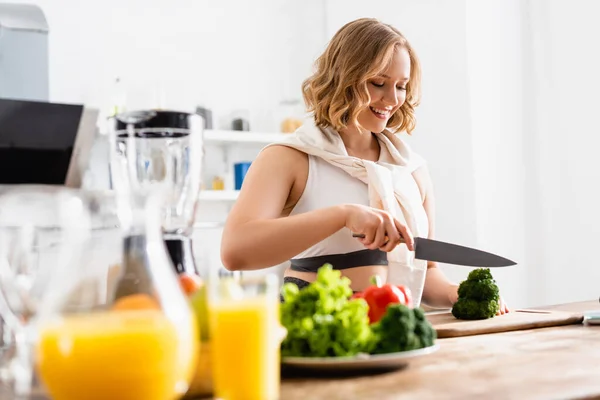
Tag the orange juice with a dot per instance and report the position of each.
(131, 355)
(245, 348)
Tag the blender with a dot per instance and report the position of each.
(164, 148)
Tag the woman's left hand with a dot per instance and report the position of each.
(503, 307)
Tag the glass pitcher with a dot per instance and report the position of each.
(120, 333)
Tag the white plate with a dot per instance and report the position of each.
(360, 361)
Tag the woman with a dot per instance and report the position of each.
(344, 171)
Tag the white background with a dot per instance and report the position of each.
(507, 123)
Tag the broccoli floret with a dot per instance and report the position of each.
(478, 296)
(480, 274)
(402, 329)
(398, 315)
(423, 329)
(474, 309)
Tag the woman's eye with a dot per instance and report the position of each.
(377, 84)
(402, 88)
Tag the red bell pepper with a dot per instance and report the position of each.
(380, 296)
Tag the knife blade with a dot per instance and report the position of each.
(449, 253)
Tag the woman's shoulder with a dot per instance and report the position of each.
(283, 154)
(279, 159)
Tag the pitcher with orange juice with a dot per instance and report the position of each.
(140, 340)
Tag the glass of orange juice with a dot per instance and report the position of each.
(245, 337)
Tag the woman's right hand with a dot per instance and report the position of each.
(380, 229)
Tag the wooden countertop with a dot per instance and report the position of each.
(547, 363)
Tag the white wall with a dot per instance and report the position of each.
(228, 55)
(533, 87)
(496, 62)
(566, 65)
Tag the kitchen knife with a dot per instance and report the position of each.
(448, 253)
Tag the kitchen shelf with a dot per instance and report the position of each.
(219, 195)
(231, 137)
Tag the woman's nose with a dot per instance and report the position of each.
(390, 97)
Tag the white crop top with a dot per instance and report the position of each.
(328, 186)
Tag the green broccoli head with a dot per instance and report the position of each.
(478, 296)
(481, 290)
(402, 329)
(473, 309)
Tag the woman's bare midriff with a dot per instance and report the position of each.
(360, 277)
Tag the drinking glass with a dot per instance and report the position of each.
(404, 269)
(33, 219)
(245, 336)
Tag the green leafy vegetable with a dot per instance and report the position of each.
(322, 321)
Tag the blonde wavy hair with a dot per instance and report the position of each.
(360, 51)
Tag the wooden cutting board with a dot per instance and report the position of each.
(448, 326)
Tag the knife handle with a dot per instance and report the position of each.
(362, 235)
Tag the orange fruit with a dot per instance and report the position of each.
(138, 301)
(190, 283)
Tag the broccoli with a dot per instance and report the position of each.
(478, 296)
(402, 329)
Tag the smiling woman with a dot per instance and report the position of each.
(345, 171)
(367, 65)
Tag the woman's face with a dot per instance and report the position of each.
(387, 91)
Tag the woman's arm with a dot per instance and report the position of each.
(438, 292)
(255, 235)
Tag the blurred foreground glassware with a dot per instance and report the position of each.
(245, 312)
(31, 218)
(125, 332)
(150, 147)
